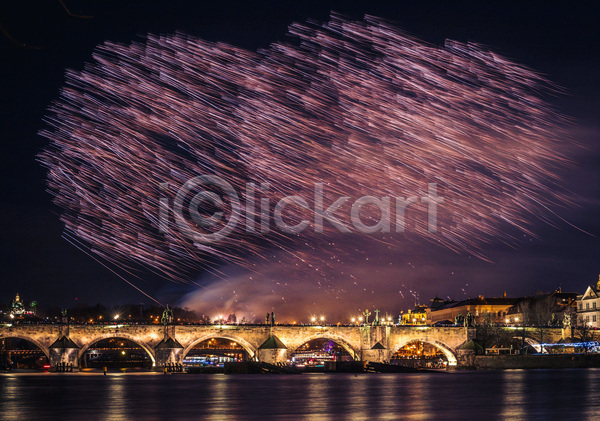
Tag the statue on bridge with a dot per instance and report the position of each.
(367, 313)
(167, 316)
(270, 317)
(469, 320)
(376, 322)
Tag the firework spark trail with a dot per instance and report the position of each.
(359, 106)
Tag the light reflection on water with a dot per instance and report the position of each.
(514, 398)
(591, 397)
(512, 394)
(117, 398)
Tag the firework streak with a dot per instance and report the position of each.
(358, 106)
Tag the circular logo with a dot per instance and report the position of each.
(205, 199)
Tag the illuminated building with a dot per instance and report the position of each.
(588, 306)
(440, 310)
(18, 309)
(417, 316)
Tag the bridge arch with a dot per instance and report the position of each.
(328, 336)
(251, 350)
(119, 335)
(446, 350)
(42, 347)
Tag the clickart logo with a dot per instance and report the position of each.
(207, 209)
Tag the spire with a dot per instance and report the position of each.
(597, 285)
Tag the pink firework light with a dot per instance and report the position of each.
(358, 106)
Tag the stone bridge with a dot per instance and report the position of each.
(170, 344)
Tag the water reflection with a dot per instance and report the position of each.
(316, 396)
(358, 401)
(513, 394)
(591, 408)
(221, 397)
(416, 400)
(513, 407)
(116, 404)
(10, 399)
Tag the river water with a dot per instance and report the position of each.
(467, 395)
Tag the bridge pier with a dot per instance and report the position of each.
(63, 354)
(375, 344)
(272, 351)
(375, 355)
(465, 358)
(272, 356)
(64, 358)
(168, 352)
(165, 357)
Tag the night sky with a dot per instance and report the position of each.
(40, 41)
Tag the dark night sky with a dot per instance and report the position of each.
(557, 39)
